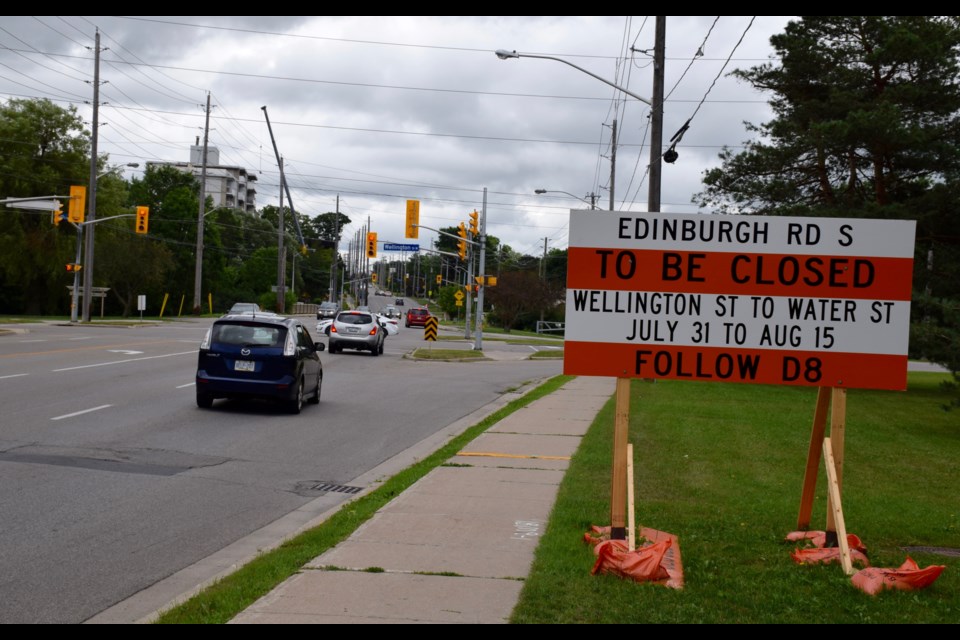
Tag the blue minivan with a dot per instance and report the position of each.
(263, 356)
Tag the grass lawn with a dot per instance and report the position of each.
(427, 353)
(721, 467)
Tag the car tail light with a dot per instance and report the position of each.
(333, 328)
(205, 344)
(373, 331)
(290, 346)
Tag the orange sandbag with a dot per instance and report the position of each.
(642, 565)
(908, 577)
(656, 560)
(821, 554)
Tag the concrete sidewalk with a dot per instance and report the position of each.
(457, 545)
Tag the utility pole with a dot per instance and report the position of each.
(335, 258)
(92, 189)
(198, 270)
(613, 161)
(656, 115)
(281, 253)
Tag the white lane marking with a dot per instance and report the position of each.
(103, 364)
(80, 338)
(126, 352)
(37, 340)
(184, 386)
(14, 375)
(80, 413)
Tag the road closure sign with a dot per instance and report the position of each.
(753, 299)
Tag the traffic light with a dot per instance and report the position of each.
(462, 243)
(58, 215)
(73, 268)
(474, 225)
(413, 219)
(78, 200)
(439, 279)
(372, 244)
(143, 219)
(373, 278)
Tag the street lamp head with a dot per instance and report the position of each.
(503, 54)
(539, 191)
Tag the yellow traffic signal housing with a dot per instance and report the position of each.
(73, 268)
(58, 215)
(413, 219)
(474, 224)
(439, 279)
(373, 278)
(78, 202)
(372, 244)
(462, 244)
(143, 219)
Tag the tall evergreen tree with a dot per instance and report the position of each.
(866, 124)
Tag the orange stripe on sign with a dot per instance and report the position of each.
(764, 274)
(759, 366)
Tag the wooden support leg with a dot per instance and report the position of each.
(838, 421)
(836, 509)
(813, 458)
(631, 514)
(618, 492)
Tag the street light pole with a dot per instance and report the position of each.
(593, 196)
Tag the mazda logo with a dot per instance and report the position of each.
(244, 351)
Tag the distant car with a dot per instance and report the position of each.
(327, 310)
(244, 307)
(390, 311)
(417, 317)
(357, 330)
(398, 302)
(266, 356)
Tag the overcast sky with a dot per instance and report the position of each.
(379, 110)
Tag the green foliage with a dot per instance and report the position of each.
(43, 151)
(866, 124)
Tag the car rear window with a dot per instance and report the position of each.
(419, 312)
(328, 305)
(249, 335)
(355, 318)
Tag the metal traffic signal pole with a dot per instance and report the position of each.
(478, 345)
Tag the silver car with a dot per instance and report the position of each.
(360, 330)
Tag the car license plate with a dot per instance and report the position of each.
(353, 330)
(244, 365)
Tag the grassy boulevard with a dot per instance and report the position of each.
(721, 466)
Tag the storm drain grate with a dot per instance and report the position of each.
(338, 488)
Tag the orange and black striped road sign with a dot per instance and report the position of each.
(430, 329)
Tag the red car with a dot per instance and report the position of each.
(417, 317)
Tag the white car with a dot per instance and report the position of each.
(323, 326)
(390, 324)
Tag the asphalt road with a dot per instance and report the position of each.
(111, 478)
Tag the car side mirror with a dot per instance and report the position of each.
(319, 346)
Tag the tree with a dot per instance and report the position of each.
(43, 150)
(866, 124)
(516, 294)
